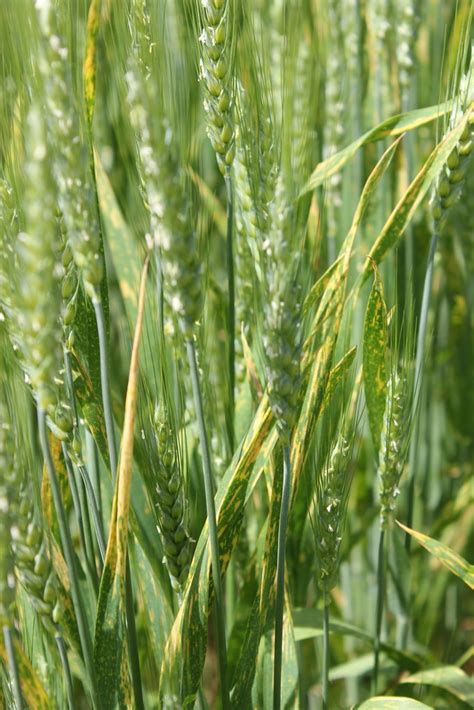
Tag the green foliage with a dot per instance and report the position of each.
(235, 551)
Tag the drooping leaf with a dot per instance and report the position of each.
(450, 559)
(394, 126)
(450, 678)
(374, 354)
(308, 623)
(382, 703)
(411, 199)
(334, 294)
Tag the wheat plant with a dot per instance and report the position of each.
(236, 354)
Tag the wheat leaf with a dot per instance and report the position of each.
(109, 633)
(374, 353)
(394, 126)
(409, 202)
(383, 703)
(186, 646)
(123, 246)
(90, 60)
(450, 559)
(32, 688)
(449, 678)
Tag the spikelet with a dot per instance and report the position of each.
(282, 336)
(69, 288)
(7, 579)
(8, 229)
(450, 182)
(246, 231)
(166, 185)
(37, 296)
(406, 27)
(170, 502)
(216, 71)
(332, 491)
(393, 444)
(334, 129)
(72, 171)
(27, 546)
(33, 560)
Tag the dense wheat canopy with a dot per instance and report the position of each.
(236, 354)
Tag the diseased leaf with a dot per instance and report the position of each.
(337, 375)
(90, 60)
(334, 294)
(32, 688)
(323, 381)
(450, 559)
(319, 287)
(409, 202)
(450, 678)
(374, 353)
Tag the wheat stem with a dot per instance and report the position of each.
(280, 577)
(91, 497)
(379, 606)
(86, 491)
(212, 525)
(84, 635)
(94, 479)
(419, 363)
(66, 670)
(79, 508)
(325, 650)
(105, 386)
(231, 295)
(13, 667)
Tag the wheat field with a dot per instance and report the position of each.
(236, 354)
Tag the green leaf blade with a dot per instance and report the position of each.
(374, 354)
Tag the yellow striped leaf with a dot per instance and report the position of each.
(90, 60)
(415, 193)
(32, 688)
(450, 559)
